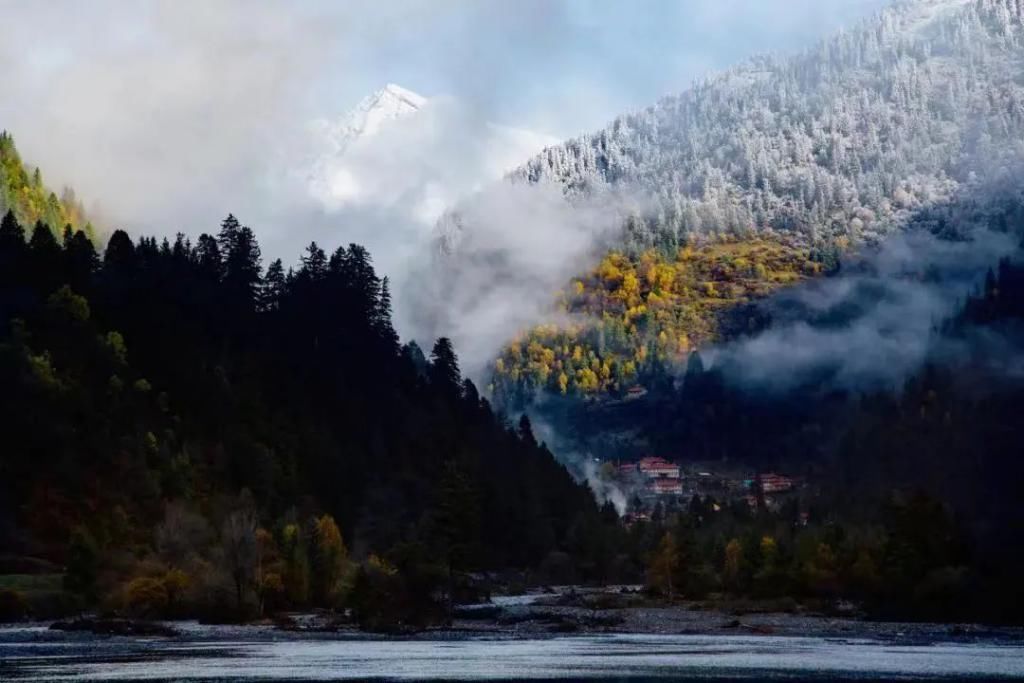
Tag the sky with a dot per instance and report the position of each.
(567, 67)
(165, 115)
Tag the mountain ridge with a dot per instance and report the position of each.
(866, 133)
(24, 193)
(372, 113)
(397, 148)
(794, 128)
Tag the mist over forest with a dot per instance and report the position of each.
(304, 311)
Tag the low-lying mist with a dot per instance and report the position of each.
(867, 328)
(499, 261)
(873, 324)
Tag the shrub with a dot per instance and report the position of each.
(175, 582)
(390, 599)
(145, 596)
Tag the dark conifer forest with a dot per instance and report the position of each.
(653, 341)
(179, 423)
(187, 433)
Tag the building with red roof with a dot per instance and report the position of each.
(658, 468)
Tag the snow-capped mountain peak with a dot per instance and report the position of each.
(390, 103)
(398, 147)
(406, 97)
(374, 112)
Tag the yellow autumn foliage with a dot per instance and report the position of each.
(635, 313)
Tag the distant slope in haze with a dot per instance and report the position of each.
(23, 191)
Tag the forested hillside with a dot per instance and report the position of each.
(189, 435)
(186, 433)
(823, 152)
(23, 192)
(191, 432)
(638, 317)
(911, 499)
(844, 140)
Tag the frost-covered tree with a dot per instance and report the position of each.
(848, 139)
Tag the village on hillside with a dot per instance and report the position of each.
(654, 482)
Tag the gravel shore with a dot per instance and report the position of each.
(626, 612)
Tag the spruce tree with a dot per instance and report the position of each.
(208, 256)
(273, 289)
(444, 367)
(314, 262)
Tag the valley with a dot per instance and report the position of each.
(728, 387)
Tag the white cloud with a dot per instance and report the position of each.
(521, 245)
(168, 114)
(406, 168)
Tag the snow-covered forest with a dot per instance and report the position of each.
(914, 116)
(845, 140)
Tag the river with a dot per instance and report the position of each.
(34, 653)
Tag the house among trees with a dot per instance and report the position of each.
(635, 392)
(774, 483)
(665, 486)
(661, 478)
(658, 468)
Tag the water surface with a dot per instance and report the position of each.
(29, 654)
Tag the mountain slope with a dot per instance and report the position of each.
(22, 191)
(399, 148)
(156, 395)
(844, 140)
(869, 131)
(374, 112)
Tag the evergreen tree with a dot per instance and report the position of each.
(526, 431)
(694, 366)
(314, 262)
(227, 238)
(444, 367)
(382, 318)
(43, 244)
(208, 257)
(274, 285)
(82, 260)
(242, 266)
(12, 258)
(119, 256)
(11, 234)
(457, 520)
(414, 357)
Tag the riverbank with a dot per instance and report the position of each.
(627, 610)
(691, 619)
(574, 610)
(266, 653)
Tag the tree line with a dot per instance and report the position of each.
(188, 432)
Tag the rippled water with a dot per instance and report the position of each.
(27, 655)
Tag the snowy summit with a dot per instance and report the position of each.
(390, 103)
(400, 150)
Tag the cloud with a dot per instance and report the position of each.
(165, 115)
(398, 180)
(509, 249)
(169, 113)
(872, 326)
